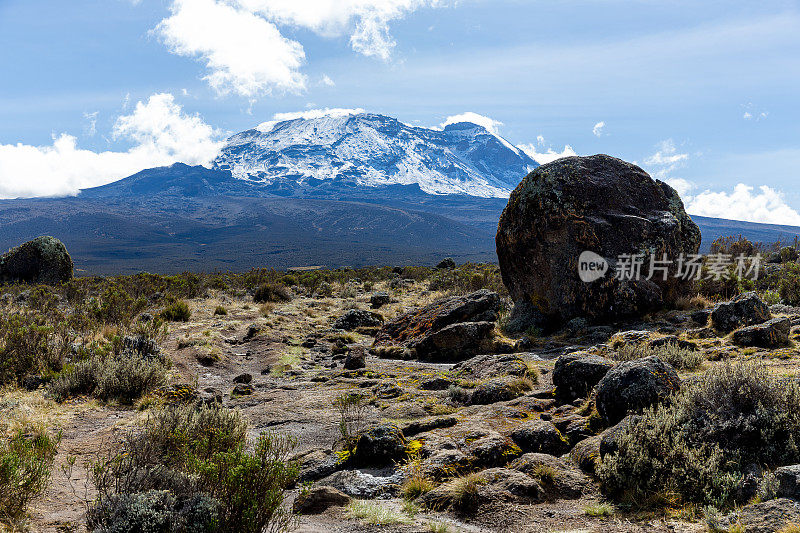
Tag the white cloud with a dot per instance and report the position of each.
(491, 125)
(540, 139)
(548, 156)
(161, 134)
(366, 21)
(666, 160)
(91, 125)
(597, 130)
(266, 127)
(327, 81)
(747, 115)
(768, 206)
(684, 187)
(244, 53)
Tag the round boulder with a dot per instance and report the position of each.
(576, 374)
(539, 436)
(745, 310)
(634, 385)
(380, 446)
(42, 260)
(602, 206)
(358, 318)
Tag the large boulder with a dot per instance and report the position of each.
(380, 446)
(576, 374)
(539, 436)
(457, 327)
(634, 385)
(771, 334)
(42, 260)
(358, 318)
(745, 310)
(596, 204)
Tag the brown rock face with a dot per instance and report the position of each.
(599, 204)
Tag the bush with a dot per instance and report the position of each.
(153, 511)
(695, 449)
(26, 459)
(789, 283)
(788, 254)
(115, 305)
(679, 358)
(220, 311)
(272, 292)
(123, 378)
(28, 344)
(177, 311)
(202, 453)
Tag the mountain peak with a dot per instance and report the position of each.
(355, 148)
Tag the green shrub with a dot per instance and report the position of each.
(26, 460)
(28, 345)
(679, 358)
(694, 449)
(271, 292)
(789, 283)
(123, 378)
(177, 311)
(115, 305)
(203, 452)
(788, 254)
(155, 511)
(220, 311)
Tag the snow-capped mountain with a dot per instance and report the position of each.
(371, 150)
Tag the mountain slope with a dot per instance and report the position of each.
(370, 150)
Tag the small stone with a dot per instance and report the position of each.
(243, 378)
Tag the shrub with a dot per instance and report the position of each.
(28, 344)
(176, 311)
(220, 311)
(351, 407)
(203, 453)
(156, 511)
(115, 305)
(271, 292)
(694, 449)
(26, 459)
(679, 358)
(788, 254)
(789, 283)
(123, 378)
(416, 483)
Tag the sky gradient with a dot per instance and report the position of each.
(702, 94)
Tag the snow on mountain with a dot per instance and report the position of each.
(374, 150)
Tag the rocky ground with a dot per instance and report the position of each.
(498, 428)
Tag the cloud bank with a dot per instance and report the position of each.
(160, 133)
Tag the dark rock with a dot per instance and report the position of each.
(242, 390)
(539, 436)
(309, 342)
(567, 482)
(415, 325)
(317, 464)
(379, 299)
(700, 317)
(745, 310)
(33, 382)
(633, 385)
(770, 334)
(493, 450)
(483, 367)
(586, 454)
(765, 517)
(496, 390)
(788, 478)
(576, 374)
(672, 339)
(252, 331)
(380, 445)
(446, 264)
(436, 383)
(454, 342)
(355, 359)
(358, 318)
(445, 463)
(609, 439)
(599, 204)
(427, 424)
(243, 378)
(318, 499)
(42, 260)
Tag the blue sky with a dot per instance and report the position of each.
(703, 94)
